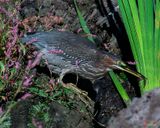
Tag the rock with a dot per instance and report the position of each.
(143, 112)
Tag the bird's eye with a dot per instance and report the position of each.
(120, 63)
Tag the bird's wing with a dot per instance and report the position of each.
(71, 45)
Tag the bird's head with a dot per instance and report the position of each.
(115, 63)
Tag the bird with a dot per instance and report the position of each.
(66, 52)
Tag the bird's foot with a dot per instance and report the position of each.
(83, 95)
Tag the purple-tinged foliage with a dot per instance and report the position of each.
(27, 81)
(33, 63)
(3, 10)
(4, 1)
(25, 96)
(16, 75)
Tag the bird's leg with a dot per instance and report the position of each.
(77, 78)
(63, 73)
(83, 95)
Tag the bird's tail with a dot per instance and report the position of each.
(34, 39)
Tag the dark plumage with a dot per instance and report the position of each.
(67, 52)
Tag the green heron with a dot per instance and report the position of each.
(67, 52)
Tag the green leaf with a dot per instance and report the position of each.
(142, 22)
(2, 85)
(2, 67)
(12, 73)
(83, 23)
(42, 93)
(120, 88)
(22, 47)
(38, 92)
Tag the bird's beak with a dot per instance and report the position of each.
(126, 69)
